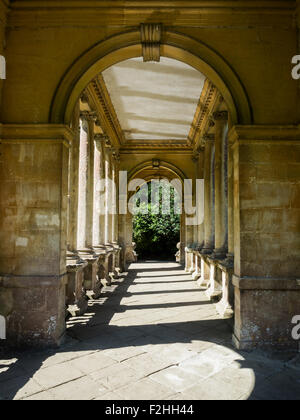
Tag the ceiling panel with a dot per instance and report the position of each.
(154, 101)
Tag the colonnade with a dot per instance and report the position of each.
(94, 255)
(209, 251)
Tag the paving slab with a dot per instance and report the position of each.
(152, 335)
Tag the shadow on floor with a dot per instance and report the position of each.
(273, 377)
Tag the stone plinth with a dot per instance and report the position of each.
(204, 280)
(197, 273)
(76, 299)
(225, 306)
(214, 292)
(91, 282)
(117, 256)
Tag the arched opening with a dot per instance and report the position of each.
(172, 113)
(149, 227)
(156, 221)
(172, 137)
(128, 45)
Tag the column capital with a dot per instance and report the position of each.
(155, 163)
(84, 98)
(88, 115)
(108, 144)
(220, 116)
(100, 140)
(195, 157)
(116, 155)
(208, 138)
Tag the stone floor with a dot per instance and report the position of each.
(152, 335)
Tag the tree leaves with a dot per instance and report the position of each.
(157, 234)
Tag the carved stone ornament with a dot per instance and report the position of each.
(220, 116)
(151, 39)
(156, 163)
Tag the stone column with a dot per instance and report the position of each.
(220, 251)
(108, 194)
(115, 215)
(33, 206)
(209, 233)
(199, 231)
(123, 209)
(182, 238)
(230, 254)
(226, 305)
(76, 300)
(86, 203)
(99, 206)
(100, 209)
(221, 229)
(83, 183)
(73, 185)
(108, 209)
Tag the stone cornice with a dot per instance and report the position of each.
(155, 151)
(220, 116)
(105, 109)
(35, 133)
(264, 134)
(165, 146)
(195, 4)
(207, 103)
(182, 13)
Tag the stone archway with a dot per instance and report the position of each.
(146, 172)
(128, 45)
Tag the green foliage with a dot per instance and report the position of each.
(155, 233)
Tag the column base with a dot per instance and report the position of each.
(206, 251)
(189, 260)
(109, 277)
(213, 296)
(91, 283)
(131, 256)
(219, 254)
(76, 299)
(224, 309)
(196, 275)
(116, 263)
(103, 269)
(214, 293)
(203, 281)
